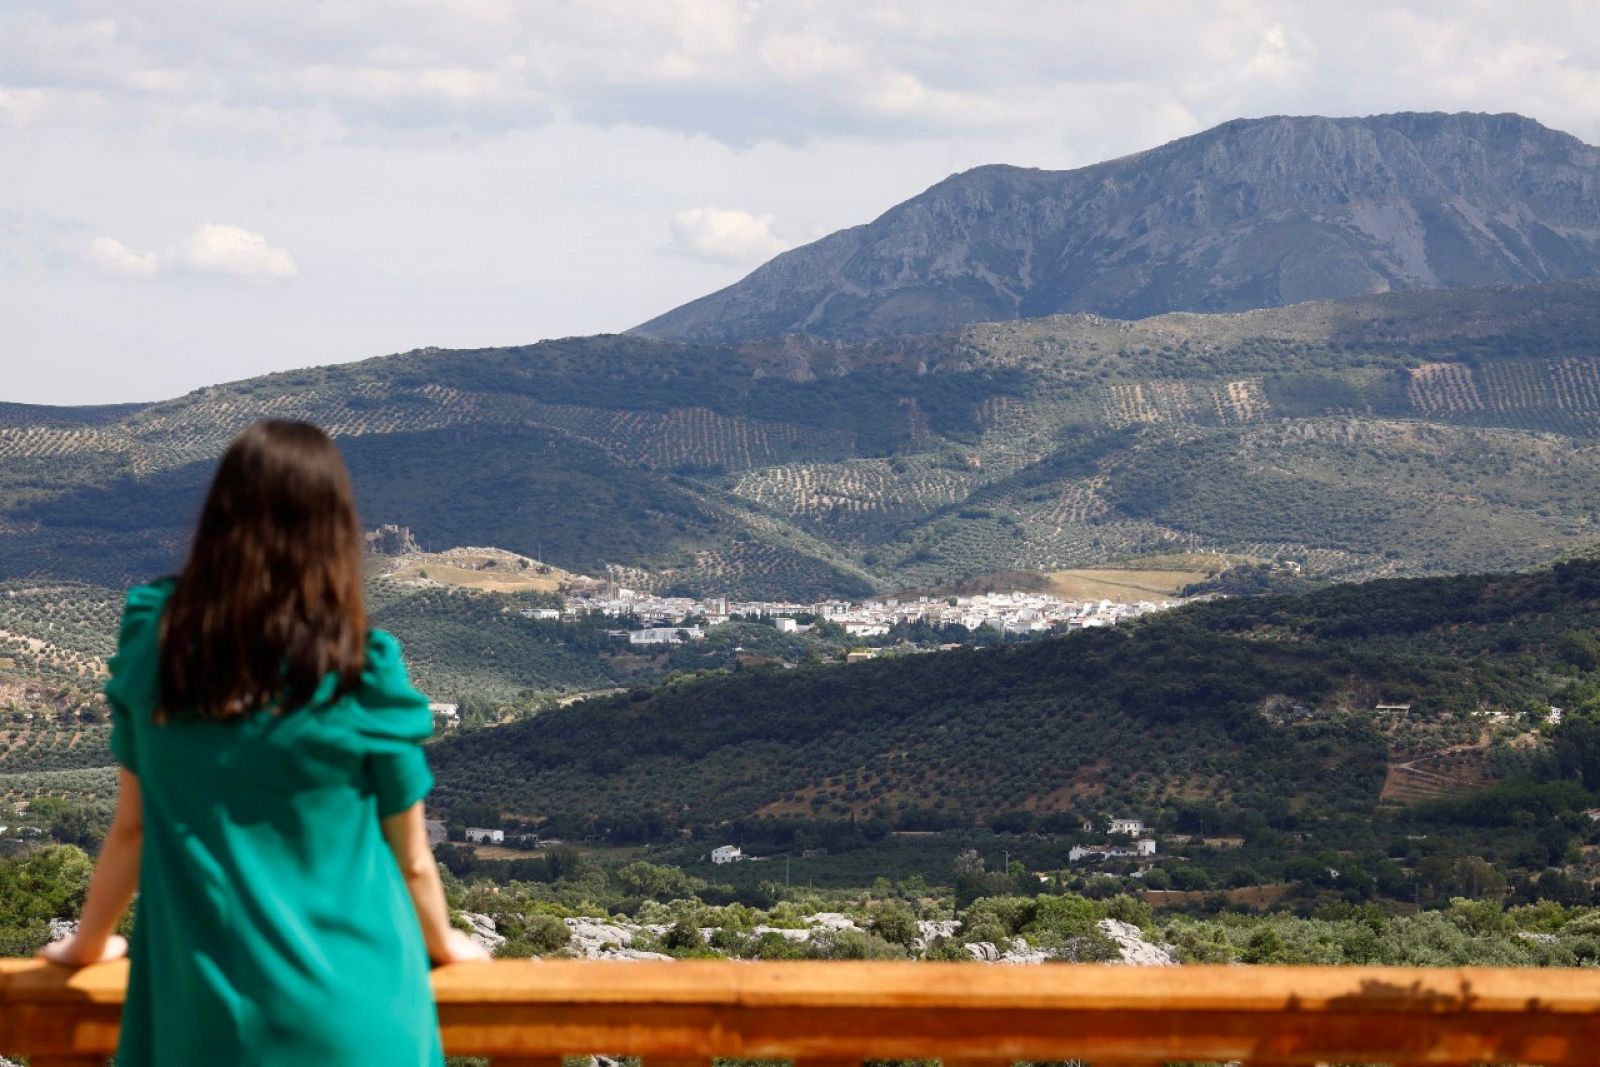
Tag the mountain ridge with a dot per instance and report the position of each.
(1251, 213)
(1401, 433)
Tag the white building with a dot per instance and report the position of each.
(726, 854)
(666, 635)
(445, 716)
(541, 613)
(1131, 827)
(480, 836)
(1143, 847)
(786, 626)
(866, 629)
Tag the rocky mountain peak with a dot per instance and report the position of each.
(1253, 213)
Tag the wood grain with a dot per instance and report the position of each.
(531, 1012)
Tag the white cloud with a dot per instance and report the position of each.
(234, 252)
(21, 106)
(229, 252)
(471, 172)
(745, 72)
(109, 256)
(723, 235)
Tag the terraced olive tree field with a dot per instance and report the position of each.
(1397, 434)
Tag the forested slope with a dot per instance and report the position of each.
(1264, 705)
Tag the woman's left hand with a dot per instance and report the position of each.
(74, 952)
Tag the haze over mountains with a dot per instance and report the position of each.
(1253, 213)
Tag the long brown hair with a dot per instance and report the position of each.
(270, 600)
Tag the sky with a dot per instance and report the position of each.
(194, 192)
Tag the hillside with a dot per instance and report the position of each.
(1253, 213)
(1263, 705)
(1404, 433)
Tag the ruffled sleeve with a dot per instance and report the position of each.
(393, 722)
(134, 688)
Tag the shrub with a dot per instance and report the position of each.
(853, 945)
(683, 936)
(1058, 920)
(1010, 914)
(546, 934)
(774, 946)
(895, 923)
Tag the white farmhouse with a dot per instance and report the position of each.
(480, 836)
(666, 635)
(1131, 827)
(1143, 847)
(726, 854)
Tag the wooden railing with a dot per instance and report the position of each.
(523, 1013)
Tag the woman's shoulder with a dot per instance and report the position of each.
(385, 659)
(386, 688)
(149, 598)
(133, 684)
(142, 608)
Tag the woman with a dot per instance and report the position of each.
(270, 747)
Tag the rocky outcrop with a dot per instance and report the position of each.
(602, 939)
(484, 931)
(929, 932)
(1134, 948)
(609, 939)
(1254, 213)
(1016, 952)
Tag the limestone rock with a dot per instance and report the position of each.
(929, 932)
(1135, 950)
(602, 939)
(1019, 953)
(983, 951)
(483, 931)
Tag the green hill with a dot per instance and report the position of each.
(1407, 433)
(1266, 706)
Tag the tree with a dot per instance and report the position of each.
(655, 882)
(1580, 649)
(969, 862)
(895, 923)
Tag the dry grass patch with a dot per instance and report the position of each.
(1122, 586)
(489, 570)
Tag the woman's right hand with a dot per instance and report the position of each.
(459, 948)
(74, 952)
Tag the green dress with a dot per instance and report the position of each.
(273, 926)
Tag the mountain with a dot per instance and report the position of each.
(1402, 433)
(1253, 213)
(1327, 705)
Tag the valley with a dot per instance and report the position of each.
(1057, 546)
